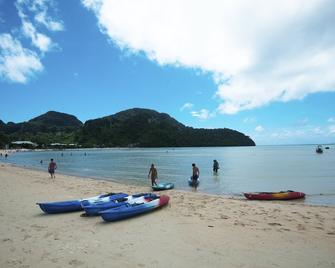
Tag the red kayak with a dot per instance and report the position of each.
(285, 195)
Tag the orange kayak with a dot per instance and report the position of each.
(285, 195)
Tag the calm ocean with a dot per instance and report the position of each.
(242, 169)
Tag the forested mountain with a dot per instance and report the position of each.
(131, 128)
(47, 128)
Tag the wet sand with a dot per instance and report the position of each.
(194, 230)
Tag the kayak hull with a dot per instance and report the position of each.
(69, 205)
(287, 195)
(93, 208)
(163, 186)
(60, 207)
(135, 209)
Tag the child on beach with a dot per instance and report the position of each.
(153, 175)
(51, 168)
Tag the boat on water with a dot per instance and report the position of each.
(163, 186)
(73, 205)
(140, 206)
(284, 195)
(319, 149)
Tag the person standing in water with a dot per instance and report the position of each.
(52, 167)
(215, 166)
(195, 173)
(153, 175)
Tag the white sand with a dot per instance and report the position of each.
(194, 230)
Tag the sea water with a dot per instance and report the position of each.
(242, 169)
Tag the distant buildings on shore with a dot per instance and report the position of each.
(32, 145)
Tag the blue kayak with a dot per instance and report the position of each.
(93, 208)
(163, 186)
(140, 206)
(193, 183)
(70, 205)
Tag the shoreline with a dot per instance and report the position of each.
(148, 188)
(236, 196)
(195, 229)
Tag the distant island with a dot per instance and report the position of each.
(130, 128)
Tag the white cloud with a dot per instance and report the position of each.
(48, 22)
(202, 114)
(302, 122)
(17, 64)
(318, 130)
(41, 10)
(331, 120)
(249, 120)
(258, 51)
(259, 129)
(285, 133)
(187, 105)
(332, 129)
(39, 40)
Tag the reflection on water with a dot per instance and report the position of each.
(242, 169)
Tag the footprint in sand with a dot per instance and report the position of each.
(285, 229)
(26, 237)
(76, 263)
(38, 227)
(239, 223)
(300, 227)
(274, 224)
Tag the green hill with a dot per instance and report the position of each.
(148, 128)
(47, 128)
(130, 128)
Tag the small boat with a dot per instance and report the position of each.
(193, 183)
(140, 206)
(327, 147)
(284, 195)
(319, 149)
(93, 208)
(163, 186)
(72, 205)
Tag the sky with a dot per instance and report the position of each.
(265, 68)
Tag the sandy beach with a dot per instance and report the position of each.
(194, 230)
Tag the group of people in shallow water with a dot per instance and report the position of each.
(153, 174)
(6, 155)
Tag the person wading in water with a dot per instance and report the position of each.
(153, 175)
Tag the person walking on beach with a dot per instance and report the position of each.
(52, 167)
(215, 166)
(153, 175)
(195, 173)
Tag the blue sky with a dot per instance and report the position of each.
(212, 66)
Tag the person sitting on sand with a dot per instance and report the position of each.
(195, 173)
(153, 175)
(52, 167)
(215, 166)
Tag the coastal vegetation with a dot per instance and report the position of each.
(130, 128)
